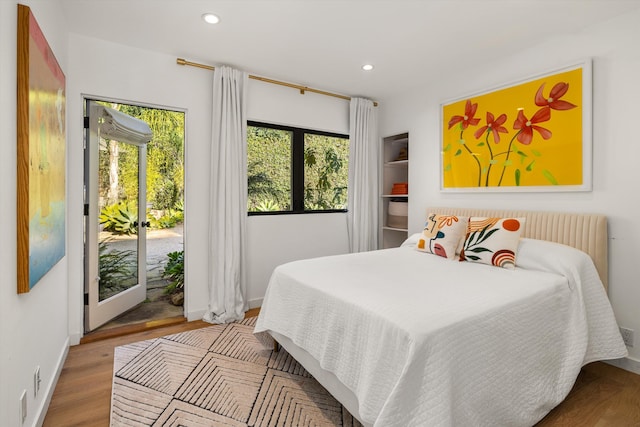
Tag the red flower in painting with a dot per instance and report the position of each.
(494, 126)
(553, 101)
(467, 119)
(526, 126)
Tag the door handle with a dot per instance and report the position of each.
(145, 224)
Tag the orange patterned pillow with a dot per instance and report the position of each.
(492, 241)
(442, 235)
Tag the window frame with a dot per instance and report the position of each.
(297, 168)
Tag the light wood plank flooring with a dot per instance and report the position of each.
(602, 396)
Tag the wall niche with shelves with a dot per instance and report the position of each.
(394, 190)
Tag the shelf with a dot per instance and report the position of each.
(404, 230)
(396, 163)
(399, 139)
(394, 172)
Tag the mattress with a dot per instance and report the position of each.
(421, 340)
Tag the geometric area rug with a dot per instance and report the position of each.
(221, 375)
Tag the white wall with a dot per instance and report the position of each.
(274, 240)
(33, 326)
(616, 89)
(101, 69)
(104, 69)
(37, 328)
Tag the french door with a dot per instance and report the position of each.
(115, 207)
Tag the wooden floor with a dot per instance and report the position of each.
(602, 396)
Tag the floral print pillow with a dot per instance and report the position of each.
(442, 235)
(492, 241)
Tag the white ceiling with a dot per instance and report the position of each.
(323, 43)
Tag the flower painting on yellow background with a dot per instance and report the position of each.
(526, 136)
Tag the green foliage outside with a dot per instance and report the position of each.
(116, 268)
(269, 162)
(169, 219)
(165, 160)
(119, 218)
(118, 193)
(174, 271)
(268, 169)
(326, 172)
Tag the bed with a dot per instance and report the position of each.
(405, 338)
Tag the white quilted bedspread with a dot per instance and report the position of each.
(424, 341)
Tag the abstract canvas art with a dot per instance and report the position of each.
(41, 136)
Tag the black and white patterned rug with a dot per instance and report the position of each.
(221, 375)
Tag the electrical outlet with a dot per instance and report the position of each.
(627, 336)
(36, 381)
(23, 406)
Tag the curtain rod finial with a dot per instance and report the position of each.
(181, 61)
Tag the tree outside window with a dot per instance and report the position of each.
(295, 170)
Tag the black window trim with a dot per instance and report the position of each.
(297, 168)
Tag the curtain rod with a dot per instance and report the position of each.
(302, 89)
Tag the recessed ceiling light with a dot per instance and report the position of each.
(211, 18)
(367, 67)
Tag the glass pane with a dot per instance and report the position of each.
(268, 169)
(326, 172)
(165, 199)
(118, 200)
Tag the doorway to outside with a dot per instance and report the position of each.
(134, 213)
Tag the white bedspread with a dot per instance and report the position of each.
(421, 340)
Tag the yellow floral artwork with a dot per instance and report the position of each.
(528, 136)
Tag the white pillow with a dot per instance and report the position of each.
(442, 235)
(411, 240)
(492, 241)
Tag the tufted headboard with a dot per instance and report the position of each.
(587, 232)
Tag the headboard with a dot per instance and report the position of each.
(587, 232)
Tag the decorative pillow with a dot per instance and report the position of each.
(492, 241)
(442, 235)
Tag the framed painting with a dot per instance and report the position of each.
(41, 139)
(532, 135)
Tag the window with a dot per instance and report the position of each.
(293, 170)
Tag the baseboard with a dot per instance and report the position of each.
(195, 315)
(199, 314)
(51, 386)
(626, 363)
(74, 339)
(255, 303)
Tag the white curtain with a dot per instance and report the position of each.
(228, 196)
(362, 215)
